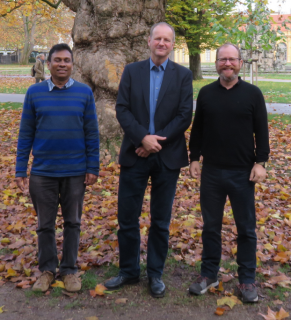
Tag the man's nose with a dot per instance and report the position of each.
(227, 62)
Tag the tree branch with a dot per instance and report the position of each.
(53, 5)
(16, 7)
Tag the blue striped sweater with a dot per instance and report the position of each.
(61, 128)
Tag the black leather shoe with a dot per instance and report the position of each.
(157, 287)
(119, 281)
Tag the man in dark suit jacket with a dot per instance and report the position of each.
(154, 108)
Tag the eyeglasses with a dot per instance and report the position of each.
(231, 60)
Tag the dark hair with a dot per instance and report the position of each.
(162, 23)
(59, 47)
(226, 45)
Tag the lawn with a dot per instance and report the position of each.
(16, 69)
(10, 105)
(274, 92)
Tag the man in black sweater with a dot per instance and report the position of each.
(230, 132)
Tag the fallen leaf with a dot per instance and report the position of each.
(278, 302)
(1, 309)
(58, 284)
(230, 301)
(99, 289)
(219, 311)
(273, 315)
(121, 300)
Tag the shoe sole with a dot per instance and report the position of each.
(251, 301)
(214, 284)
(154, 295)
(133, 281)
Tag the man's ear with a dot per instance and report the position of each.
(48, 65)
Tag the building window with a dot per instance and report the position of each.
(207, 56)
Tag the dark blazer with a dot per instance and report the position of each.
(172, 117)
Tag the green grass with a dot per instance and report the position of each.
(275, 92)
(282, 118)
(89, 280)
(5, 251)
(11, 105)
(74, 304)
(57, 292)
(111, 271)
(16, 69)
(275, 76)
(278, 293)
(30, 293)
(229, 265)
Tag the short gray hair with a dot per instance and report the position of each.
(162, 23)
(227, 44)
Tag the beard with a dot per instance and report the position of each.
(228, 79)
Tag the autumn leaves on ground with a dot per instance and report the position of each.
(98, 241)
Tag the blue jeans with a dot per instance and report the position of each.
(132, 184)
(216, 184)
(46, 194)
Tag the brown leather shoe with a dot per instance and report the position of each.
(43, 282)
(72, 282)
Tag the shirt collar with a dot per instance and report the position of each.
(163, 65)
(51, 85)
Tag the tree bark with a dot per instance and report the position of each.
(29, 24)
(195, 66)
(194, 59)
(107, 35)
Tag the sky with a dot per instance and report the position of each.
(284, 8)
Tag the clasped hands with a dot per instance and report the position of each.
(150, 145)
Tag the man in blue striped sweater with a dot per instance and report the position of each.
(59, 123)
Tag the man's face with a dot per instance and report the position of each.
(161, 43)
(228, 71)
(61, 65)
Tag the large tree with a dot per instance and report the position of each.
(107, 35)
(192, 21)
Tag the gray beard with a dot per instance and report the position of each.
(228, 79)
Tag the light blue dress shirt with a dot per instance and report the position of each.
(156, 80)
(51, 85)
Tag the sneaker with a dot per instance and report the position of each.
(248, 292)
(72, 282)
(202, 284)
(43, 282)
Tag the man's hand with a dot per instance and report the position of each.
(194, 169)
(258, 173)
(21, 183)
(151, 144)
(141, 152)
(90, 179)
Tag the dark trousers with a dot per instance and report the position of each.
(216, 184)
(132, 184)
(46, 194)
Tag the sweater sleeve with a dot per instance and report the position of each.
(261, 129)
(26, 136)
(196, 135)
(91, 136)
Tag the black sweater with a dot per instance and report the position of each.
(227, 124)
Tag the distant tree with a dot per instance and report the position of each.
(251, 27)
(35, 23)
(192, 21)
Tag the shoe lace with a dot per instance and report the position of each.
(246, 286)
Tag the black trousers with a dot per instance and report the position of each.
(46, 194)
(216, 184)
(132, 184)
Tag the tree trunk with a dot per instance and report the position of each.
(107, 35)
(195, 66)
(29, 25)
(194, 59)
